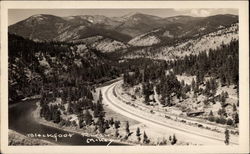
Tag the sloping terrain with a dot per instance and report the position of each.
(48, 27)
(184, 27)
(36, 64)
(119, 32)
(52, 28)
(192, 46)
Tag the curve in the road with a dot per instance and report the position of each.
(109, 90)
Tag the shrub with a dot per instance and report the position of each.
(229, 122)
(223, 120)
(211, 118)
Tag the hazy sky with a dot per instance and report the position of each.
(16, 15)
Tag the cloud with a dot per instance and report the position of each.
(197, 12)
(200, 12)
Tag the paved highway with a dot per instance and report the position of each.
(120, 107)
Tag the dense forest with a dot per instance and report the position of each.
(49, 65)
(211, 69)
(221, 64)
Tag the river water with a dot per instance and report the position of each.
(21, 120)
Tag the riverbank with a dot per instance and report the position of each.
(15, 138)
(24, 100)
(88, 132)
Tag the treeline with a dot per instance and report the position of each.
(221, 63)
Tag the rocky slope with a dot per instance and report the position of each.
(183, 27)
(191, 46)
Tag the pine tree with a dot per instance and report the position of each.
(138, 134)
(227, 137)
(170, 138)
(111, 121)
(69, 109)
(117, 124)
(234, 107)
(174, 140)
(145, 138)
(57, 117)
(116, 133)
(193, 84)
(236, 118)
(127, 128)
(213, 86)
(87, 117)
(100, 96)
(80, 122)
(101, 125)
(211, 113)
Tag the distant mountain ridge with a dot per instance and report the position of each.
(183, 47)
(46, 27)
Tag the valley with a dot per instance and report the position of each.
(136, 79)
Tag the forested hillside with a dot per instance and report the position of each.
(207, 82)
(34, 65)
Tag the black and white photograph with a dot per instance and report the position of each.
(124, 77)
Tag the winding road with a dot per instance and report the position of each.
(118, 106)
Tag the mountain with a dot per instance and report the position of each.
(52, 28)
(183, 47)
(182, 19)
(134, 29)
(138, 23)
(184, 27)
(39, 27)
(106, 22)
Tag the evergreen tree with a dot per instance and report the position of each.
(100, 96)
(234, 107)
(111, 121)
(116, 133)
(87, 117)
(69, 109)
(236, 118)
(57, 117)
(138, 134)
(227, 137)
(127, 128)
(117, 124)
(101, 125)
(170, 138)
(174, 140)
(211, 113)
(145, 138)
(193, 84)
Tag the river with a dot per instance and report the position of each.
(22, 121)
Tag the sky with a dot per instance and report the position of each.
(16, 15)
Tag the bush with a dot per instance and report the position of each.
(223, 120)
(217, 120)
(62, 122)
(229, 122)
(220, 120)
(211, 118)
